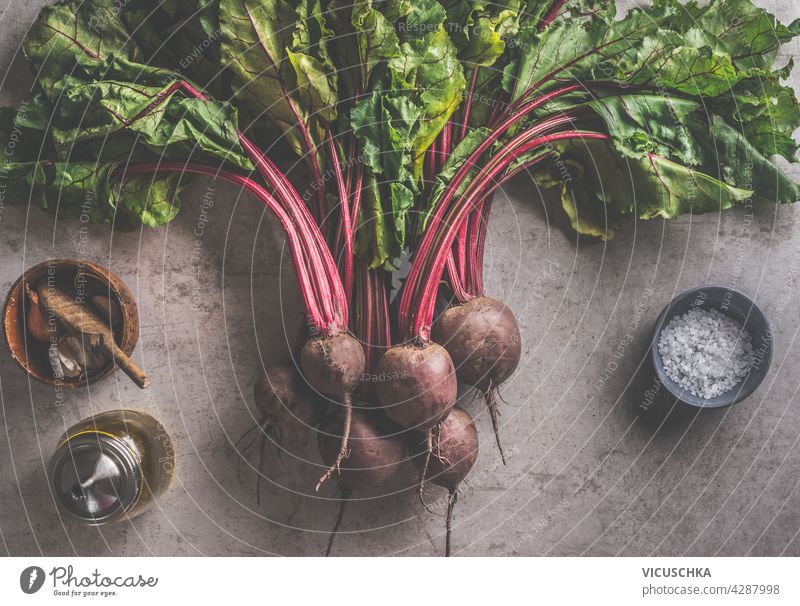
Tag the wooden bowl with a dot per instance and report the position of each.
(31, 354)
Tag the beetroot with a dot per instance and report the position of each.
(449, 459)
(284, 399)
(418, 387)
(483, 340)
(287, 407)
(334, 366)
(373, 457)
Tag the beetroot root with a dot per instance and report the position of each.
(483, 340)
(454, 451)
(419, 386)
(284, 399)
(287, 408)
(373, 457)
(334, 366)
(447, 458)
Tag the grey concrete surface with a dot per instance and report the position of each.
(590, 471)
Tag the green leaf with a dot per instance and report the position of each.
(642, 124)
(90, 115)
(598, 187)
(748, 34)
(683, 131)
(455, 161)
(72, 33)
(180, 35)
(479, 29)
(384, 126)
(275, 76)
(767, 113)
(376, 37)
(640, 49)
(91, 192)
(428, 67)
(372, 240)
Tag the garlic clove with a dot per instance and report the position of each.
(77, 356)
(55, 361)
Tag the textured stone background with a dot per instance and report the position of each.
(590, 472)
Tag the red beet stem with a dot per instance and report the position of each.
(410, 295)
(332, 296)
(456, 280)
(468, 103)
(263, 196)
(444, 147)
(317, 284)
(430, 165)
(371, 320)
(475, 156)
(359, 181)
(439, 236)
(344, 206)
(554, 11)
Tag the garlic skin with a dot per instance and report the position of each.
(77, 356)
(55, 362)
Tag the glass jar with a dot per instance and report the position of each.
(111, 466)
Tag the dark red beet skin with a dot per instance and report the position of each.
(418, 386)
(483, 340)
(333, 365)
(372, 458)
(455, 450)
(284, 399)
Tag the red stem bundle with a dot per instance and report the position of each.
(303, 270)
(345, 225)
(426, 272)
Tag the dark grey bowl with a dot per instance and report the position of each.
(735, 305)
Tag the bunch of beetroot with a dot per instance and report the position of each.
(407, 116)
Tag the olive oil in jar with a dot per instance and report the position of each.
(111, 466)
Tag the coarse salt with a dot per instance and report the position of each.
(705, 352)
